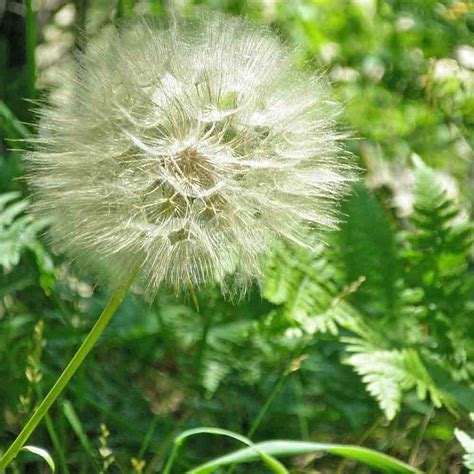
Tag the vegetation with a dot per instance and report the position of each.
(365, 339)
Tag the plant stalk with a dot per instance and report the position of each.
(30, 49)
(103, 321)
(261, 414)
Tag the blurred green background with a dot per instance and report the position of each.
(367, 340)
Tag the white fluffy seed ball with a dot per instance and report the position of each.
(186, 151)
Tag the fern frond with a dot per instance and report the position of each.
(467, 442)
(17, 230)
(307, 286)
(367, 248)
(436, 264)
(404, 296)
(388, 374)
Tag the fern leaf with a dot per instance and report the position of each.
(17, 231)
(429, 194)
(305, 284)
(388, 374)
(367, 248)
(468, 444)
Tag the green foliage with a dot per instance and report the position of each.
(273, 464)
(268, 450)
(380, 462)
(42, 454)
(304, 283)
(367, 245)
(17, 231)
(388, 374)
(433, 306)
(411, 298)
(436, 257)
(468, 444)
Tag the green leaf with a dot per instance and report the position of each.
(302, 283)
(7, 197)
(429, 194)
(10, 125)
(388, 374)
(368, 250)
(379, 461)
(467, 442)
(76, 425)
(18, 231)
(41, 453)
(270, 461)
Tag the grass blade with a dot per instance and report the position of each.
(379, 461)
(269, 460)
(57, 444)
(10, 125)
(41, 453)
(76, 425)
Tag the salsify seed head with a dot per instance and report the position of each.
(187, 151)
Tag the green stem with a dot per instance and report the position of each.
(201, 351)
(303, 422)
(419, 438)
(80, 24)
(263, 411)
(30, 49)
(56, 443)
(54, 436)
(147, 439)
(268, 403)
(104, 319)
(170, 462)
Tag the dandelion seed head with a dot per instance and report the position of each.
(187, 151)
